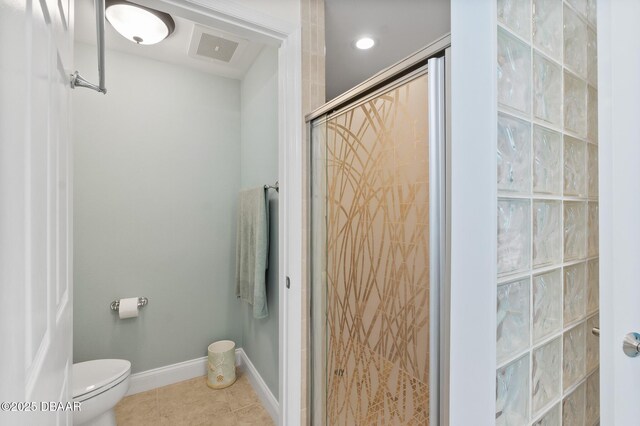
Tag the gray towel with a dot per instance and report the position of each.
(252, 247)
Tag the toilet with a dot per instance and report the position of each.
(99, 385)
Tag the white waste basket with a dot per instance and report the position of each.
(222, 364)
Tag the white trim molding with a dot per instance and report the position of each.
(269, 401)
(174, 373)
(168, 375)
(290, 222)
(472, 377)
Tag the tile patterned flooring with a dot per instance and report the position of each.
(192, 403)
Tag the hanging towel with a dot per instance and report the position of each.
(252, 249)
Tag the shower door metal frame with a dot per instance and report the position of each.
(434, 60)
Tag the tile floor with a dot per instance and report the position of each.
(192, 403)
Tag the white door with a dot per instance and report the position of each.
(36, 48)
(619, 138)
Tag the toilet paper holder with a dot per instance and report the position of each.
(142, 301)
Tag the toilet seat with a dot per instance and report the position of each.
(92, 378)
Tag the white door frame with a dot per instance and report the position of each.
(474, 195)
(245, 20)
(619, 175)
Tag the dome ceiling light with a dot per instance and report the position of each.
(141, 25)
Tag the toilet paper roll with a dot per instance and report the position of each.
(128, 308)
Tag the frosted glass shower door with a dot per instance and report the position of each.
(371, 193)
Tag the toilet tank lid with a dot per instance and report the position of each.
(91, 375)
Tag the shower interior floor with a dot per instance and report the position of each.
(193, 403)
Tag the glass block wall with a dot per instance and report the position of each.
(547, 296)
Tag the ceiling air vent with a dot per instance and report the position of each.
(217, 48)
(214, 45)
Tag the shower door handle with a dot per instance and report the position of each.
(631, 345)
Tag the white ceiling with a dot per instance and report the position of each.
(174, 49)
(400, 27)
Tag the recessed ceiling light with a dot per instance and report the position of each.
(365, 43)
(139, 24)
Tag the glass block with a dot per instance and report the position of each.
(512, 393)
(592, 170)
(547, 27)
(593, 288)
(514, 235)
(575, 104)
(592, 12)
(515, 15)
(592, 114)
(593, 344)
(575, 43)
(547, 304)
(547, 164)
(575, 292)
(593, 398)
(514, 72)
(592, 57)
(579, 5)
(546, 374)
(547, 232)
(547, 90)
(573, 356)
(514, 154)
(575, 230)
(550, 418)
(575, 167)
(513, 319)
(592, 227)
(574, 406)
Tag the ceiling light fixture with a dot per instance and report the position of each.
(139, 24)
(365, 43)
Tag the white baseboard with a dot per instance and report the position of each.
(269, 402)
(174, 373)
(167, 375)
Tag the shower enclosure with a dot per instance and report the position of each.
(378, 247)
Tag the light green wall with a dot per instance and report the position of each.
(159, 162)
(259, 164)
(157, 173)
